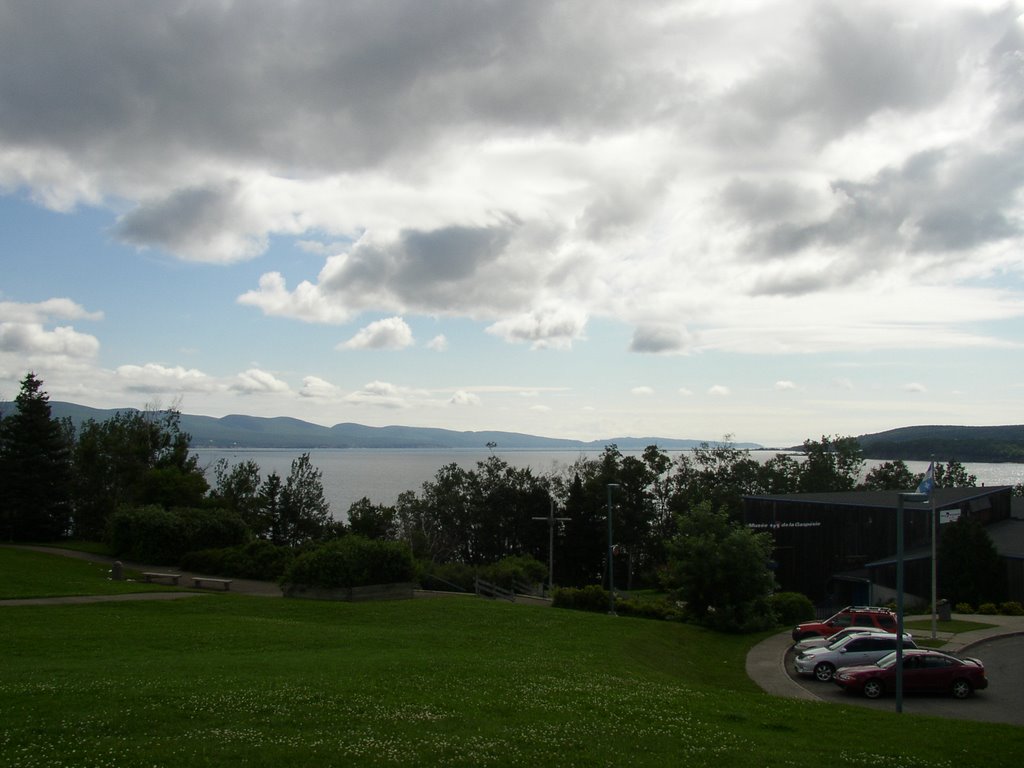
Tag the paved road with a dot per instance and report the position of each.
(1001, 702)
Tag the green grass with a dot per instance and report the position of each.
(91, 547)
(228, 680)
(24, 574)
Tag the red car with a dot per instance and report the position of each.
(851, 616)
(924, 671)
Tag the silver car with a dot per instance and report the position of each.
(821, 642)
(851, 651)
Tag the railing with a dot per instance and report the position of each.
(487, 589)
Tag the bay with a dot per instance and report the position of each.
(382, 474)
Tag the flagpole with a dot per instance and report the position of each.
(935, 606)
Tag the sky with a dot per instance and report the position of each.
(772, 221)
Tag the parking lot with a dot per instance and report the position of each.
(1001, 702)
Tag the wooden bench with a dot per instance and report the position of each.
(199, 581)
(171, 577)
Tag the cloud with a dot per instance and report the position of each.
(784, 385)
(390, 333)
(642, 391)
(551, 328)
(685, 392)
(155, 379)
(44, 311)
(718, 390)
(915, 387)
(33, 340)
(686, 172)
(382, 394)
(319, 389)
(660, 340)
(255, 381)
(462, 397)
(438, 344)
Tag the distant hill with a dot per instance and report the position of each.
(237, 431)
(946, 443)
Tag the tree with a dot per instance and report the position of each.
(720, 569)
(969, 568)
(954, 475)
(833, 464)
(302, 512)
(237, 488)
(35, 468)
(372, 521)
(133, 458)
(891, 476)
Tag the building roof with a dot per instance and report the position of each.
(942, 497)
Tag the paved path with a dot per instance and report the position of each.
(766, 664)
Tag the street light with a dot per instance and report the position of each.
(611, 569)
(900, 499)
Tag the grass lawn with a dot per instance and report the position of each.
(24, 573)
(956, 626)
(229, 680)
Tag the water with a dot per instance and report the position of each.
(382, 474)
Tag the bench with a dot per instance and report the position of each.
(171, 577)
(199, 581)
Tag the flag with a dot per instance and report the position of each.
(928, 481)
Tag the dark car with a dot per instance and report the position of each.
(851, 616)
(924, 671)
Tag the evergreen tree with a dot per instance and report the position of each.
(970, 569)
(35, 468)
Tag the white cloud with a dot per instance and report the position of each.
(383, 394)
(554, 328)
(783, 385)
(438, 344)
(155, 378)
(32, 340)
(642, 391)
(255, 381)
(718, 390)
(317, 388)
(461, 397)
(304, 303)
(44, 311)
(390, 333)
(915, 387)
(685, 392)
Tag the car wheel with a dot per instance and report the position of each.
(873, 689)
(824, 671)
(961, 689)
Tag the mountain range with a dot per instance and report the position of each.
(238, 431)
(962, 443)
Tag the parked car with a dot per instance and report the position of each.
(852, 651)
(851, 616)
(924, 671)
(820, 642)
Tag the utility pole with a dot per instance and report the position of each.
(551, 541)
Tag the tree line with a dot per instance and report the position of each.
(665, 511)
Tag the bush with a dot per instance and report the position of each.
(445, 576)
(792, 607)
(751, 616)
(261, 560)
(1011, 608)
(521, 568)
(589, 598)
(988, 609)
(964, 608)
(662, 609)
(351, 561)
(162, 537)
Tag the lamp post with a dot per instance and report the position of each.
(900, 499)
(551, 520)
(611, 569)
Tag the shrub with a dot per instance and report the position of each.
(351, 561)
(590, 598)
(792, 607)
(261, 560)
(988, 609)
(751, 616)
(964, 608)
(159, 536)
(521, 568)
(1011, 608)
(662, 609)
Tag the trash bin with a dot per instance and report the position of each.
(943, 610)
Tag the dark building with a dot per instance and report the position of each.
(841, 547)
